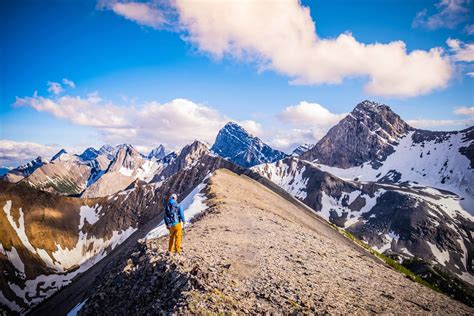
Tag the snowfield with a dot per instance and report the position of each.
(431, 164)
(88, 251)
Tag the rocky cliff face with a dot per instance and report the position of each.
(367, 134)
(399, 220)
(237, 145)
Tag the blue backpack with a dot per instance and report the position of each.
(171, 213)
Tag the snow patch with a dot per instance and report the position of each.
(193, 204)
(441, 256)
(91, 214)
(126, 171)
(86, 253)
(20, 229)
(16, 260)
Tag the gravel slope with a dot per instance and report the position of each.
(254, 252)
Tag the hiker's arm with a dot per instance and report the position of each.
(181, 214)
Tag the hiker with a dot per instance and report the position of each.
(174, 220)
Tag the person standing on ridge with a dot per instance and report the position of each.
(174, 220)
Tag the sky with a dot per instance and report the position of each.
(75, 74)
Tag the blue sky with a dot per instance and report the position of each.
(140, 61)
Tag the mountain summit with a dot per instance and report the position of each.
(157, 153)
(235, 144)
(368, 133)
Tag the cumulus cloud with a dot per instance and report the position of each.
(463, 52)
(252, 127)
(309, 114)
(89, 111)
(303, 123)
(281, 36)
(13, 153)
(287, 140)
(448, 14)
(465, 111)
(174, 123)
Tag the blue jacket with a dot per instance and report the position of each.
(173, 213)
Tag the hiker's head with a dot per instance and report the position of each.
(174, 197)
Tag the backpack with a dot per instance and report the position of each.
(171, 213)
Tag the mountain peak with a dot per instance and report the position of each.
(234, 143)
(366, 134)
(59, 154)
(89, 154)
(157, 153)
(234, 128)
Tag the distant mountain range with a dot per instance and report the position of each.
(405, 192)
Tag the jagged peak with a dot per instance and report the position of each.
(194, 146)
(38, 161)
(106, 148)
(157, 152)
(233, 126)
(371, 106)
(125, 146)
(59, 154)
(89, 153)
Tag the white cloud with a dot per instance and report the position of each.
(287, 140)
(252, 127)
(142, 13)
(173, 123)
(449, 14)
(309, 114)
(465, 111)
(303, 123)
(281, 36)
(461, 51)
(89, 111)
(69, 83)
(470, 74)
(55, 87)
(13, 153)
(426, 123)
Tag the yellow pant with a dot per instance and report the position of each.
(176, 233)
